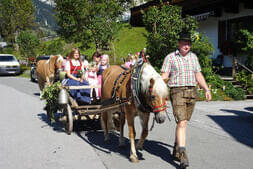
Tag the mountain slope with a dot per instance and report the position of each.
(44, 14)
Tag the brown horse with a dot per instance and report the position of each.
(153, 91)
(46, 70)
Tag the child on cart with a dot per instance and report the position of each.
(104, 64)
(131, 60)
(91, 77)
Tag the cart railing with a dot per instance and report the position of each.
(82, 87)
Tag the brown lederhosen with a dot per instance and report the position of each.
(183, 102)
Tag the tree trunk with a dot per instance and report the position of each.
(114, 53)
(15, 43)
(234, 66)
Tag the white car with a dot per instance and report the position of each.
(9, 64)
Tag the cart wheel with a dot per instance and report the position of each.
(68, 124)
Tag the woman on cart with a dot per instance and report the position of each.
(75, 73)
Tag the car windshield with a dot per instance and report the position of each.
(7, 58)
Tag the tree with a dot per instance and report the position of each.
(89, 21)
(55, 47)
(15, 16)
(245, 45)
(28, 43)
(164, 25)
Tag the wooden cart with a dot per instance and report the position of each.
(72, 111)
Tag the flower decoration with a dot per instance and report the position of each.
(195, 36)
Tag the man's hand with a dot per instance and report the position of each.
(208, 95)
(166, 80)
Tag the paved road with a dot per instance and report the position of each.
(220, 136)
(28, 142)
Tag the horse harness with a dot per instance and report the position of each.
(133, 86)
(118, 84)
(138, 98)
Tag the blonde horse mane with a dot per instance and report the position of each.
(53, 60)
(149, 73)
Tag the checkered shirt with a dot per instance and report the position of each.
(181, 69)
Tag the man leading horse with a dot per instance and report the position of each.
(183, 70)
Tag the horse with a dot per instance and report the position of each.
(154, 93)
(47, 69)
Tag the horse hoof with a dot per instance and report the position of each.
(134, 159)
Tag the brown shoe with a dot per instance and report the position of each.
(175, 153)
(184, 162)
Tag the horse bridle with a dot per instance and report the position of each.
(159, 108)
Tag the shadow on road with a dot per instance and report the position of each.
(85, 125)
(36, 94)
(96, 140)
(249, 108)
(239, 125)
(57, 126)
(161, 150)
(90, 131)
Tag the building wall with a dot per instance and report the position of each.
(210, 28)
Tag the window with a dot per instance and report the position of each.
(228, 30)
(7, 58)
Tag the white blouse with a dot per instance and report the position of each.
(76, 63)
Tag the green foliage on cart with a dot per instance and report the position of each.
(50, 94)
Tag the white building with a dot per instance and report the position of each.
(225, 25)
(218, 20)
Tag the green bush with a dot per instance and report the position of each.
(24, 68)
(28, 43)
(245, 80)
(235, 93)
(217, 94)
(7, 50)
(204, 49)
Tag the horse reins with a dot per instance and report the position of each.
(158, 108)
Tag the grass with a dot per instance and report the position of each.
(24, 75)
(25, 71)
(128, 40)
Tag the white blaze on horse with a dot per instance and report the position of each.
(47, 69)
(153, 93)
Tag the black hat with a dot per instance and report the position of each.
(184, 35)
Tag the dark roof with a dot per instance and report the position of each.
(191, 7)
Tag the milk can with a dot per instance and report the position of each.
(63, 97)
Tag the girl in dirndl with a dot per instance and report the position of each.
(75, 73)
(92, 78)
(104, 64)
